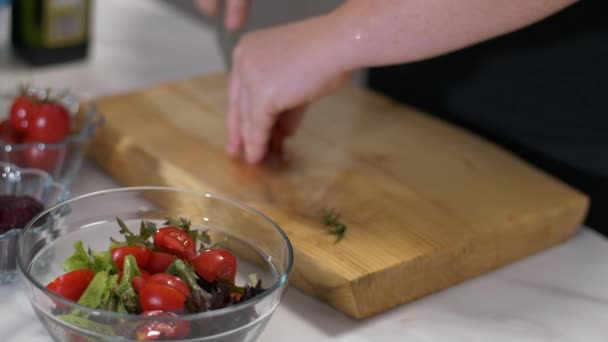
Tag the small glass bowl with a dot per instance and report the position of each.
(32, 182)
(259, 244)
(62, 160)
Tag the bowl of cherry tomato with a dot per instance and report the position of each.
(47, 130)
(24, 193)
(154, 263)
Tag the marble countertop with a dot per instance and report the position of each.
(558, 295)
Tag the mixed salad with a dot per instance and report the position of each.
(168, 271)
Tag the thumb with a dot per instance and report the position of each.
(286, 126)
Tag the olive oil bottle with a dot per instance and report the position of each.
(51, 31)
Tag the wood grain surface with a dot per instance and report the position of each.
(427, 205)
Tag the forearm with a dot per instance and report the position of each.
(373, 33)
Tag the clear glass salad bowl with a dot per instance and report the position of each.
(62, 160)
(260, 246)
(23, 182)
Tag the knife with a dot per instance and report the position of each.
(226, 39)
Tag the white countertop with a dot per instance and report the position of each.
(558, 295)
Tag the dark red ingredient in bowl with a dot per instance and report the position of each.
(17, 211)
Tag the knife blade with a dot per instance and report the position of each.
(226, 39)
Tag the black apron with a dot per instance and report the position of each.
(540, 92)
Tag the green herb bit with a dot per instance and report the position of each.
(332, 219)
(181, 223)
(147, 230)
(204, 237)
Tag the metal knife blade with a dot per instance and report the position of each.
(226, 39)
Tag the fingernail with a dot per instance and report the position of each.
(250, 157)
(230, 149)
(229, 21)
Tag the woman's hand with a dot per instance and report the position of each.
(276, 73)
(235, 14)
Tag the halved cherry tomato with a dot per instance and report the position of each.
(152, 331)
(21, 113)
(161, 297)
(141, 254)
(175, 241)
(171, 281)
(72, 284)
(159, 262)
(49, 123)
(215, 264)
(138, 283)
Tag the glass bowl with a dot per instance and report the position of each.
(62, 160)
(259, 244)
(23, 182)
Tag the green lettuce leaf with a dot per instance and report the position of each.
(108, 299)
(127, 297)
(87, 324)
(102, 261)
(93, 260)
(97, 291)
(79, 260)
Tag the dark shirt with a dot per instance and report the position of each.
(540, 91)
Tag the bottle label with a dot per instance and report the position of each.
(64, 23)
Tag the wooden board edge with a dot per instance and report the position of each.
(466, 261)
(321, 284)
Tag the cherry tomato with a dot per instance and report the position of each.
(138, 283)
(159, 262)
(175, 241)
(171, 281)
(9, 134)
(41, 157)
(145, 274)
(72, 336)
(161, 297)
(21, 114)
(152, 331)
(49, 123)
(72, 284)
(141, 254)
(215, 264)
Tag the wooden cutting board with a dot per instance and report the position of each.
(427, 205)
